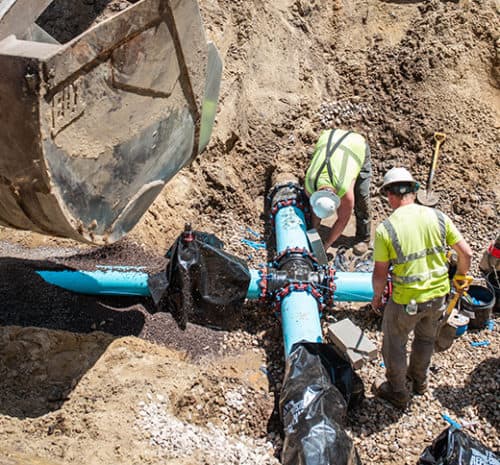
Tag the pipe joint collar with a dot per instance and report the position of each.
(284, 191)
(287, 195)
(293, 256)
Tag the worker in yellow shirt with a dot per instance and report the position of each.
(414, 241)
(338, 181)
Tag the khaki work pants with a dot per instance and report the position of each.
(396, 326)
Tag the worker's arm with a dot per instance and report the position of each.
(343, 214)
(464, 256)
(315, 220)
(379, 281)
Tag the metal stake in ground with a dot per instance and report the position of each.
(428, 197)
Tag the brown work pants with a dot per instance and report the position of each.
(362, 202)
(396, 326)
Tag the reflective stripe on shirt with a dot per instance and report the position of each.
(402, 259)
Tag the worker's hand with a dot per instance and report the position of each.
(462, 282)
(377, 304)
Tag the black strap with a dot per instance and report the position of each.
(329, 153)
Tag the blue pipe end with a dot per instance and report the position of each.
(108, 281)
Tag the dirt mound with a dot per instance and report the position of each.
(117, 399)
(395, 71)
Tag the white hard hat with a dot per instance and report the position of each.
(397, 176)
(324, 203)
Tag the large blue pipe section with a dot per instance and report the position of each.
(350, 287)
(290, 225)
(353, 287)
(300, 320)
(106, 281)
(300, 316)
(297, 302)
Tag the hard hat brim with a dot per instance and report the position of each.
(387, 187)
(324, 194)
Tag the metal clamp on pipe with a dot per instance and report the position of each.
(276, 280)
(295, 258)
(289, 194)
(298, 287)
(285, 191)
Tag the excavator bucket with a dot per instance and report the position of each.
(91, 129)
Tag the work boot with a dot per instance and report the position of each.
(383, 390)
(360, 248)
(418, 387)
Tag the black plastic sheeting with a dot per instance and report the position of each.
(318, 388)
(203, 281)
(454, 447)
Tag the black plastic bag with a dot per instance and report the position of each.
(318, 387)
(454, 447)
(203, 281)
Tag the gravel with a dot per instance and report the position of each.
(174, 438)
(464, 384)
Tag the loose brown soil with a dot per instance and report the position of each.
(77, 371)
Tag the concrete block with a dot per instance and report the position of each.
(317, 246)
(350, 340)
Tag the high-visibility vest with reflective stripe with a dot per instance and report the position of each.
(419, 240)
(337, 168)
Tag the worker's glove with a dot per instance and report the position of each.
(461, 282)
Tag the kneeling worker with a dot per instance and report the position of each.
(414, 240)
(338, 180)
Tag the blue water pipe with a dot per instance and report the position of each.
(254, 289)
(290, 227)
(105, 281)
(300, 320)
(353, 287)
(298, 301)
(300, 316)
(350, 287)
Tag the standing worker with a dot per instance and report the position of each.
(413, 240)
(338, 180)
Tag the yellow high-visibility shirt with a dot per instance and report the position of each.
(343, 166)
(414, 239)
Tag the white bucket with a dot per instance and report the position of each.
(459, 321)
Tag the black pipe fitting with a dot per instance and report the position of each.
(277, 280)
(284, 193)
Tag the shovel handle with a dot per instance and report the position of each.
(439, 137)
(463, 285)
(460, 289)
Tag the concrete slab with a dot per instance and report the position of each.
(350, 340)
